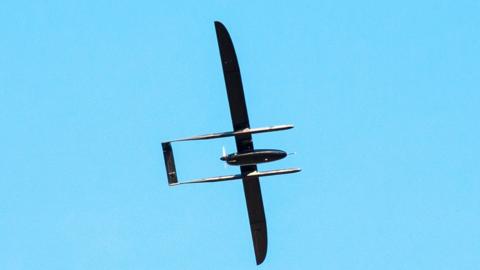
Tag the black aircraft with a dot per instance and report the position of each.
(246, 156)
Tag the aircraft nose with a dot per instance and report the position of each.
(223, 158)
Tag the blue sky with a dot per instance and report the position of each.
(384, 98)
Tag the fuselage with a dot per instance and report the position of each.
(254, 157)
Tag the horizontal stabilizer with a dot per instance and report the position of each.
(169, 163)
(254, 174)
(234, 133)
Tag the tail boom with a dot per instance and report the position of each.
(234, 133)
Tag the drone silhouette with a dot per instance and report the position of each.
(246, 156)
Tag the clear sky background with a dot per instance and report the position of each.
(384, 98)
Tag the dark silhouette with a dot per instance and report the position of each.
(246, 156)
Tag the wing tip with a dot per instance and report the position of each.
(261, 259)
(219, 24)
(259, 235)
(260, 247)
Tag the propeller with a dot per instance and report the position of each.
(224, 156)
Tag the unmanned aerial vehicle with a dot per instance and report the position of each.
(246, 156)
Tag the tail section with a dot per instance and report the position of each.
(169, 163)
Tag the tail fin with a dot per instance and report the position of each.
(169, 163)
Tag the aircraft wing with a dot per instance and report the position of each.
(239, 114)
(233, 80)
